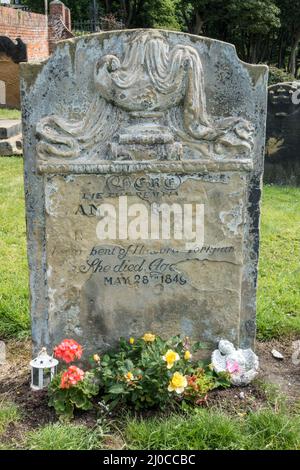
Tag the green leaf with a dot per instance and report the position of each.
(197, 346)
(116, 389)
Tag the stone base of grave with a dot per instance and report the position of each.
(9, 128)
(10, 137)
(11, 146)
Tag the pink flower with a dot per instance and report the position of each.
(71, 376)
(232, 367)
(68, 350)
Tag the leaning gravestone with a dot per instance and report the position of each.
(143, 164)
(282, 161)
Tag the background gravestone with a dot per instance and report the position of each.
(282, 161)
(159, 117)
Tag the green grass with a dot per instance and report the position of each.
(9, 413)
(278, 303)
(10, 113)
(199, 429)
(64, 437)
(14, 317)
(210, 429)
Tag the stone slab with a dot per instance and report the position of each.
(9, 128)
(11, 146)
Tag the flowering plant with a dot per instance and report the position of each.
(201, 381)
(143, 373)
(71, 377)
(150, 372)
(68, 350)
(71, 388)
(178, 383)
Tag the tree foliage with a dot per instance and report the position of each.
(262, 30)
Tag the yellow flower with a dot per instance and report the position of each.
(131, 340)
(148, 337)
(170, 357)
(129, 376)
(177, 383)
(96, 358)
(187, 355)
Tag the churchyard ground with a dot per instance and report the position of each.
(264, 415)
(6, 113)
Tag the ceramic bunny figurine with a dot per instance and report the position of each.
(242, 364)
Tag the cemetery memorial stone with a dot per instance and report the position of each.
(282, 160)
(143, 170)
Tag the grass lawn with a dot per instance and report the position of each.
(10, 113)
(213, 429)
(198, 429)
(14, 309)
(278, 302)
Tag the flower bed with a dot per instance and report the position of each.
(143, 373)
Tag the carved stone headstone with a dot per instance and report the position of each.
(282, 162)
(143, 163)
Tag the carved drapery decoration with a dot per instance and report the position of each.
(149, 104)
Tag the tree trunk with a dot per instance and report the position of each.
(281, 53)
(129, 12)
(292, 68)
(198, 24)
(253, 50)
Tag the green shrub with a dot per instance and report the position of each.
(79, 396)
(277, 75)
(151, 372)
(145, 373)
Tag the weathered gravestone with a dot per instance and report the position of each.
(282, 162)
(116, 125)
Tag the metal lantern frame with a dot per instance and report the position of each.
(43, 369)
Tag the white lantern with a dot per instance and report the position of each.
(43, 369)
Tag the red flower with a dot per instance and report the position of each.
(71, 377)
(191, 379)
(68, 350)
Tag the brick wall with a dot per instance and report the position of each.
(59, 23)
(58, 9)
(32, 28)
(39, 33)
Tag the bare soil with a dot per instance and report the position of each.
(285, 374)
